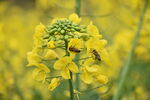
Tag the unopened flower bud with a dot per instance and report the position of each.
(51, 44)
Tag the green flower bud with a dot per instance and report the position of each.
(70, 36)
(69, 22)
(57, 37)
(68, 26)
(61, 36)
(70, 33)
(56, 26)
(75, 25)
(50, 32)
(59, 41)
(59, 29)
(62, 25)
(68, 30)
(65, 28)
(53, 26)
(62, 31)
(76, 36)
(77, 28)
(83, 31)
(66, 37)
(55, 29)
(59, 23)
(44, 45)
(46, 36)
(85, 37)
(53, 39)
(73, 30)
(49, 27)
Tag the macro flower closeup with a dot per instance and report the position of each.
(84, 51)
(74, 49)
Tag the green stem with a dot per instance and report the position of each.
(77, 82)
(70, 80)
(77, 10)
(71, 87)
(126, 68)
(78, 7)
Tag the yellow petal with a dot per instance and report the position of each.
(43, 67)
(102, 79)
(38, 74)
(74, 17)
(32, 58)
(65, 73)
(104, 55)
(72, 55)
(51, 44)
(51, 54)
(93, 30)
(35, 72)
(61, 63)
(87, 78)
(140, 51)
(95, 43)
(73, 67)
(91, 69)
(88, 62)
(39, 30)
(102, 43)
(103, 89)
(54, 83)
(41, 76)
(76, 43)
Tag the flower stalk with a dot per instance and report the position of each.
(71, 87)
(77, 10)
(70, 80)
(78, 7)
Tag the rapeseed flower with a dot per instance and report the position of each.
(71, 49)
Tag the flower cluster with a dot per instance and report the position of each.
(67, 48)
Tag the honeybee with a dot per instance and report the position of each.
(97, 56)
(74, 49)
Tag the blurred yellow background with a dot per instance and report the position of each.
(117, 21)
